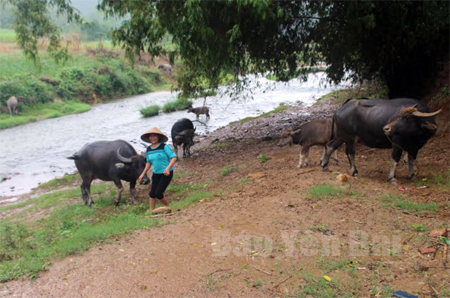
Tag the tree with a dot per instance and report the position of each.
(32, 22)
(399, 42)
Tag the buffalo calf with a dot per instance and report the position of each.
(315, 132)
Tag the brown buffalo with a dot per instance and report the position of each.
(315, 132)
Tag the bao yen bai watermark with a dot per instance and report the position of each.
(354, 243)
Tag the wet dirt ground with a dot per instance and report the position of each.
(262, 235)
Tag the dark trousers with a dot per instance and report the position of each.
(159, 185)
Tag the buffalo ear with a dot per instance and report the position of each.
(120, 165)
(429, 126)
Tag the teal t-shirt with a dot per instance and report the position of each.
(160, 157)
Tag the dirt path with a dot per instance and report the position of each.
(262, 236)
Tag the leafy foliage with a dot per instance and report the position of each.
(399, 42)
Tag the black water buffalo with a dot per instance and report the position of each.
(183, 134)
(13, 104)
(315, 132)
(109, 161)
(403, 124)
(199, 110)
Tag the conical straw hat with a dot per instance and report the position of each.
(162, 137)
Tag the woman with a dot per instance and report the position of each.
(162, 158)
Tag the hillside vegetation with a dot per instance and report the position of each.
(91, 76)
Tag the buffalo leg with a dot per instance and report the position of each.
(119, 192)
(395, 158)
(335, 158)
(86, 190)
(207, 115)
(411, 160)
(330, 148)
(350, 151)
(188, 149)
(132, 191)
(304, 157)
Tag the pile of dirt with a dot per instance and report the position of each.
(264, 234)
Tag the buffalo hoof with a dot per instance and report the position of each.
(326, 169)
(355, 174)
(412, 178)
(393, 181)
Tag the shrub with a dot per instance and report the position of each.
(27, 86)
(150, 111)
(182, 103)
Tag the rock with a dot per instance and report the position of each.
(161, 210)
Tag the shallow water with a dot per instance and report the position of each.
(36, 152)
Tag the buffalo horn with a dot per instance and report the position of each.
(296, 132)
(421, 114)
(122, 158)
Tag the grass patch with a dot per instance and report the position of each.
(7, 36)
(228, 169)
(67, 180)
(43, 111)
(370, 89)
(318, 287)
(150, 111)
(64, 226)
(278, 109)
(55, 90)
(181, 103)
(324, 191)
(416, 207)
(442, 180)
(195, 197)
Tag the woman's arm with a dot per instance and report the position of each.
(144, 172)
(172, 162)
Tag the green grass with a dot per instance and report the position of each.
(442, 180)
(278, 109)
(324, 191)
(400, 203)
(58, 224)
(418, 228)
(181, 103)
(43, 111)
(318, 287)
(82, 79)
(372, 89)
(7, 36)
(227, 170)
(67, 180)
(150, 111)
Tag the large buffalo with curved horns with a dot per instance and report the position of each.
(109, 161)
(403, 124)
(183, 134)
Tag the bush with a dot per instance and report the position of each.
(150, 111)
(32, 89)
(182, 103)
